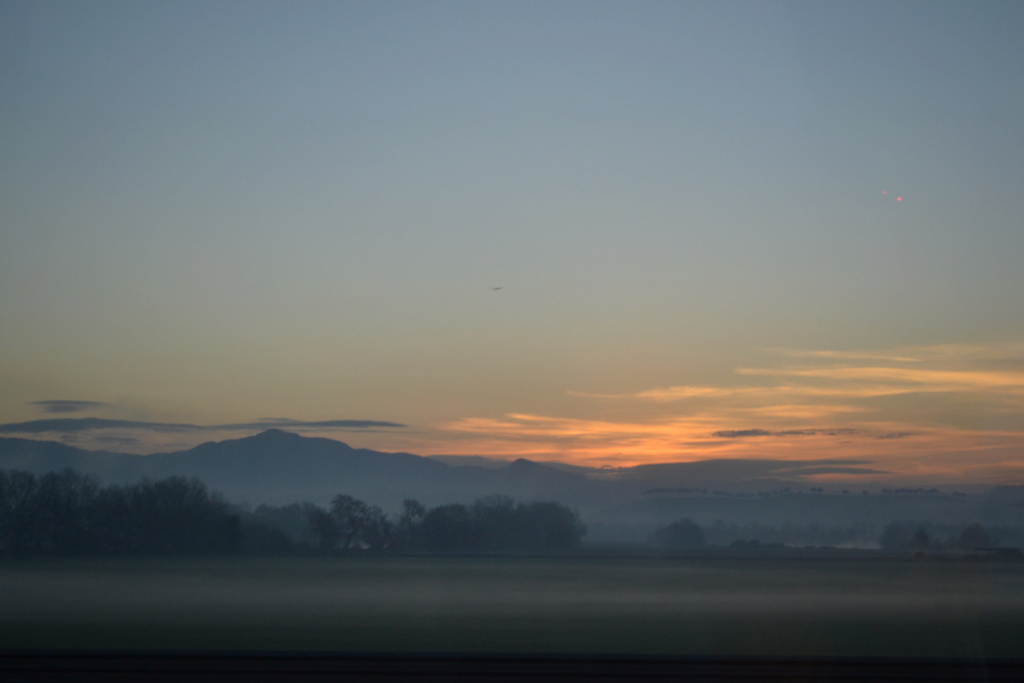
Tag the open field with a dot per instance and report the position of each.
(775, 607)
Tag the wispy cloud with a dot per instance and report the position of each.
(899, 406)
(744, 433)
(942, 368)
(802, 411)
(755, 393)
(726, 472)
(117, 441)
(937, 353)
(61, 406)
(908, 379)
(89, 424)
(892, 356)
(69, 425)
(830, 469)
(285, 423)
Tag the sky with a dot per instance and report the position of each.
(605, 233)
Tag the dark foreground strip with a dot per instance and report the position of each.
(116, 667)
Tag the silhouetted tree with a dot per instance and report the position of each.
(684, 533)
(67, 513)
(117, 533)
(407, 530)
(973, 536)
(554, 526)
(260, 538)
(360, 524)
(291, 520)
(17, 490)
(895, 536)
(62, 511)
(920, 539)
(325, 529)
(377, 530)
(499, 524)
(180, 516)
(447, 528)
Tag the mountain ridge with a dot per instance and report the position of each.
(244, 457)
(279, 467)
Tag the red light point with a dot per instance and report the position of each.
(885, 191)
(899, 199)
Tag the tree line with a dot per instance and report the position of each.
(490, 524)
(71, 514)
(67, 513)
(899, 536)
(894, 537)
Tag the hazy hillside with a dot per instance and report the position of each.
(824, 508)
(278, 467)
(49, 456)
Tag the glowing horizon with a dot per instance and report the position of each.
(833, 408)
(601, 233)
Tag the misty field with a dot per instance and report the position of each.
(496, 605)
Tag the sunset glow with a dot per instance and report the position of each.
(607, 234)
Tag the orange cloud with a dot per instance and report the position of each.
(942, 353)
(921, 379)
(833, 408)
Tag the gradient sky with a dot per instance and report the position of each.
(213, 213)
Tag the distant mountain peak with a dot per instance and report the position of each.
(523, 464)
(273, 439)
(523, 468)
(279, 436)
(275, 433)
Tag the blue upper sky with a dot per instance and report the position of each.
(214, 212)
